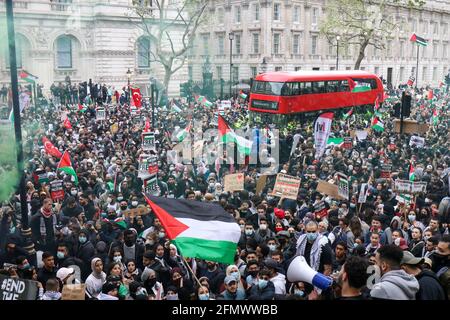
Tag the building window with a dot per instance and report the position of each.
(435, 71)
(435, 49)
(220, 44)
(315, 15)
(219, 72)
(237, 41)
(143, 53)
(413, 25)
(190, 72)
(296, 44)
(313, 44)
(424, 73)
(413, 71)
(256, 12)
(402, 74)
(205, 45)
(254, 71)
(332, 68)
(220, 15)
(444, 50)
(276, 43)
(297, 68)
(435, 28)
(237, 14)
(296, 14)
(425, 27)
(377, 71)
(278, 68)
(277, 12)
(255, 43)
(64, 52)
(235, 74)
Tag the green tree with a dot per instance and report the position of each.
(363, 23)
(159, 20)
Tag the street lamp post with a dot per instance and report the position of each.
(337, 52)
(129, 73)
(231, 37)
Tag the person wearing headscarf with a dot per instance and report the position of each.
(96, 279)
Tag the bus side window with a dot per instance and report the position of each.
(332, 86)
(286, 89)
(307, 89)
(343, 86)
(373, 84)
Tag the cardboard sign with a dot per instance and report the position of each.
(328, 188)
(57, 190)
(402, 185)
(101, 114)
(343, 186)
(348, 143)
(417, 141)
(362, 198)
(140, 211)
(17, 289)
(198, 148)
(361, 134)
(411, 126)
(234, 182)
(286, 186)
(386, 170)
(148, 141)
(73, 292)
(320, 210)
(260, 184)
(417, 187)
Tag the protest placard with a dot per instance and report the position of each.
(402, 185)
(348, 143)
(361, 134)
(114, 128)
(151, 185)
(152, 161)
(417, 141)
(362, 198)
(417, 187)
(17, 289)
(320, 210)
(343, 186)
(57, 190)
(328, 188)
(139, 211)
(286, 186)
(234, 182)
(260, 184)
(386, 170)
(148, 141)
(101, 114)
(73, 292)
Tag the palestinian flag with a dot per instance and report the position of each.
(28, 77)
(198, 229)
(359, 87)
(202, 100)
(404, 198)
(183, 133)
(242, 95)
(412, 175)
(175, 107)
(66, 165)
(121, 223)
(419, 40)
(82, 108)
(348, 114)
(226, 135)
(377, 125)
(435, 117)
(67, 124)
(335, 142)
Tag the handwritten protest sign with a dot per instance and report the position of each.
(286, 186)
(73, 292)
(234, 182)
(260, 184)
(139, 211)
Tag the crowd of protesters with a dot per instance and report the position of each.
(87, 237)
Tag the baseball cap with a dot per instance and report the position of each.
(409, 258)
(229, 279)
(428, 261)
(64, 273)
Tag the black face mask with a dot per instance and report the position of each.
(150, 283)
(129, 243)
(123, 207)
(253, 273)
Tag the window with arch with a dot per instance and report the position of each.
(64, 52)
(143, 49)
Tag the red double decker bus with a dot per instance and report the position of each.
(278, 96)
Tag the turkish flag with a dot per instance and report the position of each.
(67, 124)
(50, 148)
(137, 97)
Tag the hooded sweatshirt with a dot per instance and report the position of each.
(396, 285)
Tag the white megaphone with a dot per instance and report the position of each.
(299, 270)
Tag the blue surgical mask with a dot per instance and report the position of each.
(262, 283)
(299, 293)
(311, 236)
(249, 232)
(119, 198)
(12, 230)
(82, 239)
(272, 247)
(412, 217)
(172, 297)
(60, 255)
(235, 275)
(161, 235)
(26, 266)
(204, 296)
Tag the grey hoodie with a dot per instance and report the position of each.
(396, 285)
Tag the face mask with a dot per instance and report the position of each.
(73, 192)
(12, 230)
(235, 275)
(134, 203)
(278, 229)
(26, 266)
(311, 236)
(248, 232)
(263, 226)
(117, 258)
(269, 198)
(161, 235)
(299, 293)
(425, 238)
(172, 297)
(253, 273)
(412, 218)
(82, 239)
(352, 205)
(60, 255)
(272, 247)
(151, 283)
(204, 296)
(262, 283)
(119, 198)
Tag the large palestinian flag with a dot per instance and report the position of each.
(66, 165)
(419, 40)
(226, 135)
(198, 229)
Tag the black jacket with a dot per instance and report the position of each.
(430, 287)
(268, 293)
